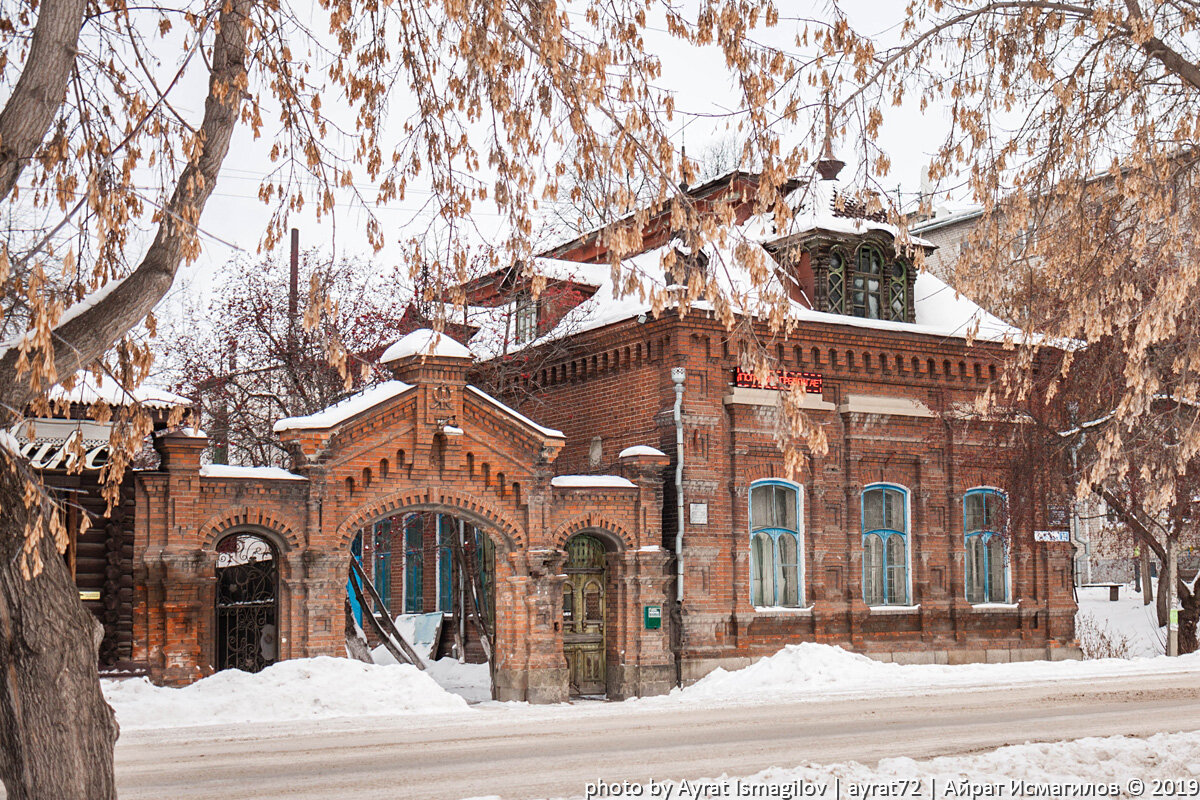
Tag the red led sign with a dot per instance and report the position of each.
(780, 379)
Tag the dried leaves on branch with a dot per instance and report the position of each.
(1075, 126)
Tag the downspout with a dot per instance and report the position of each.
(678, 375)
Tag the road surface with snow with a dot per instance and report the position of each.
(538, 752)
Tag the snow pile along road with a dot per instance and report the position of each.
(806, 671)
(1165, 765)
(300, 689)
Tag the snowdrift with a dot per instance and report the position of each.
(810, 670)
(298, 689)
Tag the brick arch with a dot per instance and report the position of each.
(430, 498)
(222, 523)
(591, 522)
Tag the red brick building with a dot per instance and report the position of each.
(905, 540)
(898, 542)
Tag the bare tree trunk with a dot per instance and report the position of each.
(1147, 584)
(57, 733)
(1160, 601)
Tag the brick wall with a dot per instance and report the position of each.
(404, 455)
(894, 408)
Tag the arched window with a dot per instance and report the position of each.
(776, 549)
(984, 527)
(885, 545)
(867, 296)
(867, 285)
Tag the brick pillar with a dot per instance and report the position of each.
(525, 666)
(324, 602)
(182, 576)
(640, 661)
(188, 581)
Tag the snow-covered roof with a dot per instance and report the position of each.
(815, 207)
(90, 390)
(939, 310)
(591, 482)
(640, 450)
(425, 342)
(475, 390)
(249, 473)
(949, 214)
(575, 271)
(352, 406)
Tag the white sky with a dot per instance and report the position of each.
(235, 216)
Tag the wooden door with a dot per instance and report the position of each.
(583, 615)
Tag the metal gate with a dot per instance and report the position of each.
(247, 611)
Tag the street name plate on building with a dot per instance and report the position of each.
(698, 513)
(1052, 536)
(653, 617)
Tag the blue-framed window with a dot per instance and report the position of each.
(414, 558)
(885, 545)
(447, 528)
(776, 547)
(985, 512)
(381, 546)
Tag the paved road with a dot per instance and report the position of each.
(538, 752)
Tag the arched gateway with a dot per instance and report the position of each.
(381, 475)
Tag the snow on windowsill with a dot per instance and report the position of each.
(591, 482)
(895, 609)
(995, 606)
(650, 548)
(250, 473)
(784, 611)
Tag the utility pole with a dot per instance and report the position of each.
(294, 290)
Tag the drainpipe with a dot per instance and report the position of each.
(678, 375)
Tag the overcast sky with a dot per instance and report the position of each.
(234, 219)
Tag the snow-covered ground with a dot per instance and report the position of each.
(327, 688)
(300, 689)
(1126, 617)
(1166, 765)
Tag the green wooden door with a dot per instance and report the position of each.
(583, 615)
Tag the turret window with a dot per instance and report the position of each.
(869, 286)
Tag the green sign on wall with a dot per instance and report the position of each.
(653, 617)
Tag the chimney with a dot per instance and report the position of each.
(828, 166)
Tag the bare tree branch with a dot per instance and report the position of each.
(39, 91)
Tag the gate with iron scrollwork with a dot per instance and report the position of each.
(247, 608)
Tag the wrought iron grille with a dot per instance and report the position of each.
(247, 632)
